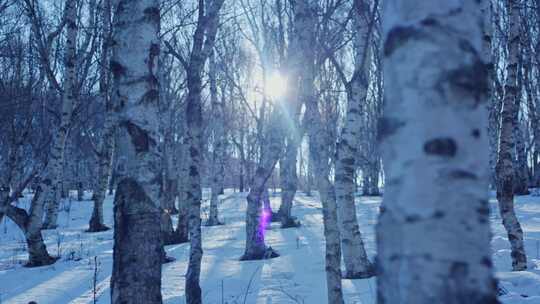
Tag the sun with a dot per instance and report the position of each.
(276, 86)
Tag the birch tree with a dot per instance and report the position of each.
(203, 43)
(355, 258)
(433, 235)
(505, 167)
(68, 99)
(18, 137)
(219, 140)
(305, 27)
(136, 274)
(258, 215)
(96, 223)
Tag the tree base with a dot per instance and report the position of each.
(167, 259)
(266, 254)
(97, 228)
(368, 273)
(276, 217)
(174, 239)
(290, 222)
(522, 192)
(43, 261)
(210, 223)
(47, 226)
(372, 193)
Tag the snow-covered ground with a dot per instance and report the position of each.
(295, 277)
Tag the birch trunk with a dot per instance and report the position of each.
(170, 186)
(355, 258)
(505, 167)
(289, 180)
(288, 163)
(433, 235)
(319, 155)
(137, 254)
(309, 177)
(170, 183)
(291, 108)
(492, 104)
(258, 216)
(218, 153)
(31, 223)
(194, 189)
(96, 223)
(203, 43)
(305, 23)
(371, 179)
(521, 184)
(181, 232)
(533, 117)
(68, 99)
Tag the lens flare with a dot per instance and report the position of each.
(264, 220)
(276, 86)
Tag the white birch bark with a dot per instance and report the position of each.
(68, 99)
(292, 137)
(203, 43)
(170, 184)
(257, 214)
(492, 104)
(96, 223)
(137, 254)
(31, 223)
(305, 23)
(521, 183)
(433, 235)
(505, 167)
(181, 232)
(288, 177)
(167, 146)
(218, 153)
(355, 258)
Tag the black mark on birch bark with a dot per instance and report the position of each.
(445, 147)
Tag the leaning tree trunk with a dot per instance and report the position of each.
(68, 99)
(137, 254)
(96, 223)
(433, 235)
(505, 168)
(258, 216)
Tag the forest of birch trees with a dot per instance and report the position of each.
(431, 105)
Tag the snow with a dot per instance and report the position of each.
(297, 276)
